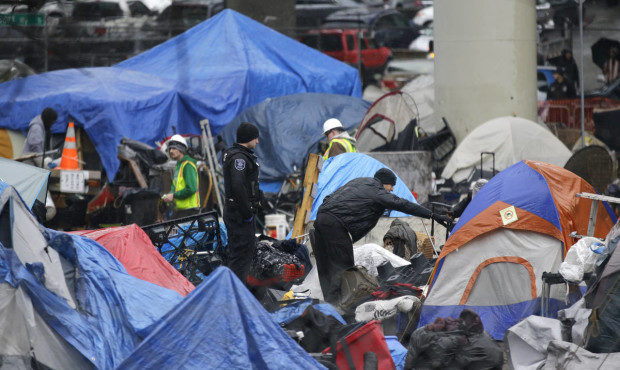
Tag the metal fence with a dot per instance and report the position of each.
(568, 111)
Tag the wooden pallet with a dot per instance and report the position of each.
(302, 216)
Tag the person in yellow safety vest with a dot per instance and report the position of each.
(339, 139)
(184, 192)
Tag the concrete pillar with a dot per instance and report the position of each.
(485, 61)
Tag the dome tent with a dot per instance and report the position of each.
(512, 139)
(515, 228)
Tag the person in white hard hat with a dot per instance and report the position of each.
(184, 192)
(339, 139)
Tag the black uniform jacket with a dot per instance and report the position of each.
(241, 180)
(361, 202)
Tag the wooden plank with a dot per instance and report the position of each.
(312, 175)
(78, 142)
(311, 169)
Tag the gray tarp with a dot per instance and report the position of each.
(569, 356)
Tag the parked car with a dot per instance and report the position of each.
(544, 18)
(387, 27)
(312, 13)
(399, 72)
(111, 19)
(425, 42)
(409, 7)
(57, 8)
(180, 16)
(565, 10)
(342, 44)
(424, 17)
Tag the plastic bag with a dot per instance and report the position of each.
(371, 256)
(580, 259)
(381, 310)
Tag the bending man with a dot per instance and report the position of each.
(349, 214)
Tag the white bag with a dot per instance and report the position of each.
(580, 259)
(381, 310)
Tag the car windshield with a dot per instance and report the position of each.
(327, 42)
(96, 10)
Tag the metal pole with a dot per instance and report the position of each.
(45, 48)
(359, 47)
(583, 114)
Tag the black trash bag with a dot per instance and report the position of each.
(480, 353)
(318, 328)
(296, 249)
(434, 350)
(416, 274)
(272, 266)
(454, 343)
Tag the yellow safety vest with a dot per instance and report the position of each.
(348, 146)
(179, 184)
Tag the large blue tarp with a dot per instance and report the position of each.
(109, 103)
(291, 127)
(220, 325)
(290, 312)
(115, 310)
(214, 70)
(235, 62)
(343, 168)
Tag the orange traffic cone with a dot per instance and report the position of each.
(69, 160)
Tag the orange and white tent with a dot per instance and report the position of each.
(515, 228)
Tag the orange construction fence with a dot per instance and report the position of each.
(568, 111)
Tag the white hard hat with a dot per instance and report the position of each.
(177, 139)
(331, 124)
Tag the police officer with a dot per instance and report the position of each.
(242, 199)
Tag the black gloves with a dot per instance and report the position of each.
(443, 220)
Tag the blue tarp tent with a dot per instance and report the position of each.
(220, 325)
(292, 126)
(79, 290)
(343, 168)
(215, 70)
(234, 62)
(109, 103)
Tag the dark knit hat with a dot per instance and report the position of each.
(386, 176)
(178, 146)
(246, 132)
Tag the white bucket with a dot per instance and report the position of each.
(275, 226)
